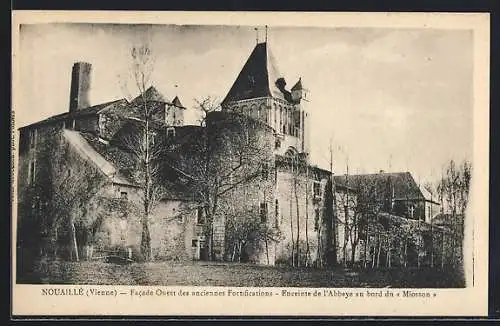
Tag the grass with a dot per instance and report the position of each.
(231, 274)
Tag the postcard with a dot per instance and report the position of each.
(250, 163)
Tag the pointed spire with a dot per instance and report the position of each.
(176, 102)
(257, 78)
(151, 95)
(298, 85)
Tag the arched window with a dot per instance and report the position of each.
(282, 120)
(253, 111)
(291, 152)
(275, 116)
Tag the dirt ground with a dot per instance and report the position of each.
(231, 274)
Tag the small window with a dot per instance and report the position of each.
(124, 195)
(194, 243)
(200, 215)
(102, 123)
(180, 218)
(263, 212)
(33, 135)
(170, 132)
(317, 191)
(32, 172)
(277, 144)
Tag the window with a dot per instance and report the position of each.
(179, 218)
(33, 135)
(102, 123)
(265, 170)
(277, 211)
(317, 191)
(263, 212)
(32, 172)
(124, 195)
(277, 144)
(200, 215)
(411, 211)
(170, 132)
(194, 243)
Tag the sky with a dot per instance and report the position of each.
(386, 99)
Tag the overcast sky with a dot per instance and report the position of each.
(391, 99)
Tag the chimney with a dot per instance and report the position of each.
(80, 86)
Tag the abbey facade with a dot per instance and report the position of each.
(239, 187)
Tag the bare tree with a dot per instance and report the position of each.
(454, 190)
(141, 143)
(71, 182)
(221, 159)
(432, 191)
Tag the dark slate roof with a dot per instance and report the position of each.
(96, 109)
(176, 102)
(151, 95)
(257, 78)
(402, 183)
(298, 85)
(124, 165)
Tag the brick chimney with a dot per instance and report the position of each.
(80, 86)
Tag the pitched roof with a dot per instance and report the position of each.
(257, 78)
(401, 184)
(298, 85)
(151, 95)
(88, 152)
(96, 109)
(176, 102)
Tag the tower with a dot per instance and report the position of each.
(300, 95)
(260, 92)
(80, 86)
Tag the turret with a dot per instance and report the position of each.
(299, 92)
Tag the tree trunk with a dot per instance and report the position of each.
(379, 249)
(234, 252)
(146, 249)
(74, 244)
(353, 254)
(367, 240)
(443, 251)
(308, 254)
(298, 222)
(291, 228)
(267, 251)
(406, 253)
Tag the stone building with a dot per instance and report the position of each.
(247, 171)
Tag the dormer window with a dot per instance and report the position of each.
(170, 132)
(102, 123)
(317, 190)
(263, 212)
